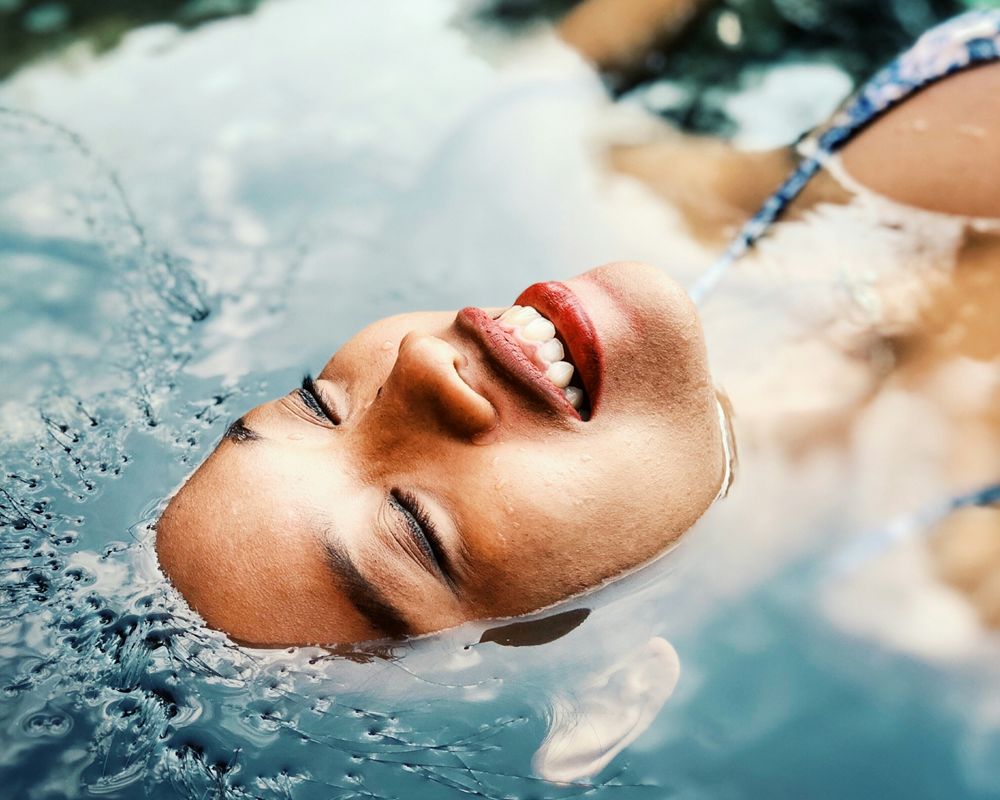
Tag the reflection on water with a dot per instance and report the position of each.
(594, 721)
(191, 220)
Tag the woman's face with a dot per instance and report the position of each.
(432, 473)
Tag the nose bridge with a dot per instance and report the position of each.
(424, 403)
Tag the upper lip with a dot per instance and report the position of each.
(557, 302)
(565, 311)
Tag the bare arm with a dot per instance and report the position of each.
(940, 150)
(617, 34)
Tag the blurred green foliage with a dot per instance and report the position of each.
(736, 38)
(732, 40)
(729, 40)
(29, 28)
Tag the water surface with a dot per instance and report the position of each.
(191, 220)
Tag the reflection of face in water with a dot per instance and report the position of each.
(432, 474)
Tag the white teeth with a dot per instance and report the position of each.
(539, 342)
(560, 373)
(538, 330)
(552, 351)
(523, 316)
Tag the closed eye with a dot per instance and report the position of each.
(313, 400)
(422, 529)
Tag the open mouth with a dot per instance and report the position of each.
(547, 344)
(574, 329)
(539, 340)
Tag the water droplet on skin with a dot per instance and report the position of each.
(973, 131)
(510, 509)
(500, 484)
(586, 458)
(295, 437)
(387, 345)
(486, 437)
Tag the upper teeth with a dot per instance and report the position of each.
(537, 338)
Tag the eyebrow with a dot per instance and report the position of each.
(241, 433)
(364, 595)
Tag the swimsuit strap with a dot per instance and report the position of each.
(874, 543)
(965, 41)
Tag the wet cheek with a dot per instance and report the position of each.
(559, 524)
(535, 487)
(663, 372)
(618, 476)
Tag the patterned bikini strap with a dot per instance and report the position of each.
(965, 41)
(914, 526)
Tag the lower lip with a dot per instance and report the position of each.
(506, 354)
(562, 308)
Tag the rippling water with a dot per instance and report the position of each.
(190, 221)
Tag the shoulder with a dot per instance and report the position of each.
(940, 150)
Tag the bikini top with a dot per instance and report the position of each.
(968, 40)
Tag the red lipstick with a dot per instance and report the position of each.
(562, 308)
(506, 355)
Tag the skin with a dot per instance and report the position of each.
(617, 34)
(525, 507)
(952, 131)
(290, 536)
(939, 151)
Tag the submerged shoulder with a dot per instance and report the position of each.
(940, 150)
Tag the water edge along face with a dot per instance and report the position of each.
(180, 214)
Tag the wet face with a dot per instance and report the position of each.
(432, 473)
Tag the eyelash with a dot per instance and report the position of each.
(420, 522)
(310, 398)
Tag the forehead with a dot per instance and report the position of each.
(251, 564)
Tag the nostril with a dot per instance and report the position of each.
(431, 375)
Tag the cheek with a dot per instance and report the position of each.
(557, 504)
(634, 488)
(671, 380)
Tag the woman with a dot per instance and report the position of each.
(448, 467)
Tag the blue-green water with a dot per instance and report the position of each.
(190, 221)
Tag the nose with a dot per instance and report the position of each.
(426, 387)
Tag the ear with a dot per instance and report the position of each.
(605, 715)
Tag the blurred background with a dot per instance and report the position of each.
(201, 200)
(696, 51)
